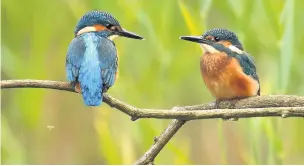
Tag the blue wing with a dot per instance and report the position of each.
(248, 65)
(108, 61)
(74, 58)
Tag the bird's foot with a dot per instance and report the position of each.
(78, 88)
(217, 103)
(105, 89)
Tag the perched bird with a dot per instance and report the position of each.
(91, 61)
(227, 70)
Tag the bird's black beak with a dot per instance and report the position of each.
(128, 34)
(196, 39)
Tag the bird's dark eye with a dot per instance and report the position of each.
(216, 38)
(108, 26)
(112, 27)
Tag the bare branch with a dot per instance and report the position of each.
(288, 106)
(260, 106)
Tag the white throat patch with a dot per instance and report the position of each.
(235, 49)
(113, 37)
(208, 48)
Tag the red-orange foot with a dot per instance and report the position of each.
(78, 88)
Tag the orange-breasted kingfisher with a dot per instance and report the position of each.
(227, 70)
(91, 61)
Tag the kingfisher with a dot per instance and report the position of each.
(91, 61)
(227, 70)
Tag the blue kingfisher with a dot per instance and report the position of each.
(227, 70)
(91, 61)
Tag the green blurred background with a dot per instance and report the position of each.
(159, 72)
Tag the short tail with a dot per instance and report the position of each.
(91, 85)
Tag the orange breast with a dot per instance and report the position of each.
(225, 79)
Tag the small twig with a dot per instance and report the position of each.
(162, 140)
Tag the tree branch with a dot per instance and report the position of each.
(171, 130)
(288, 106)
(260, 106)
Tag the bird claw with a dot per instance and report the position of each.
(217, 103)
(105, 89)
(78, 88)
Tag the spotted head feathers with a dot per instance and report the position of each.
(96, 17)
(223, 35)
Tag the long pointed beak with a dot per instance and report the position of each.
(196, 39)
(128, 34)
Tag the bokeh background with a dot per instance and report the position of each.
(159, 72)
